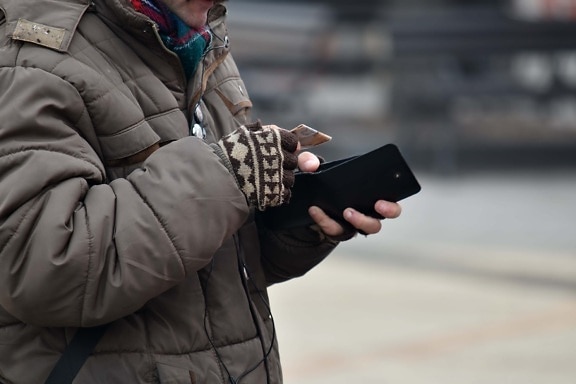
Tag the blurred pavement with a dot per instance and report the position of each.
(475, 283)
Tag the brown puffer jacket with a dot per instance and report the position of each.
(111, 213)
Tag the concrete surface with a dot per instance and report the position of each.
(475, 283)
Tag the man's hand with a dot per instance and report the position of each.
(263, 160)
(308, 162)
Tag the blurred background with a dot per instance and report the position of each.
(476, 282)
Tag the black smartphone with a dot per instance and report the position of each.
(356, 182)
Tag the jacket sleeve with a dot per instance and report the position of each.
(76, 250)
(292, 253)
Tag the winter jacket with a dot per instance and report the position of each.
(111, 213)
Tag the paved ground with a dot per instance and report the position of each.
(475, 283)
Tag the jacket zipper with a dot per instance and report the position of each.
(156, 32)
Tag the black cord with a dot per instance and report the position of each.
(248, 277)
(267, 305)
(230, 377)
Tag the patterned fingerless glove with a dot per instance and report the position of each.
(263, 160)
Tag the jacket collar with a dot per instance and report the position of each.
(50, 23)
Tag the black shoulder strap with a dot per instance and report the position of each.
(75, 354)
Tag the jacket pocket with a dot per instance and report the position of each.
(234, 96)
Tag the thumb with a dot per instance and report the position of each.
(308, 162)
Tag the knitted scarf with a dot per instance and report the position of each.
(188, 43)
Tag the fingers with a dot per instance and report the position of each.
(370, 225)
(363, 223)
(289, 144)
(305, 161)
(308, 162)
(388, 209)
(290, 161)
(289, 141)
(326, 224)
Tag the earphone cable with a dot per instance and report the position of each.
(273, 341)
(230, 377)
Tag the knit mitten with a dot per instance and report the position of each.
(263, 160)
